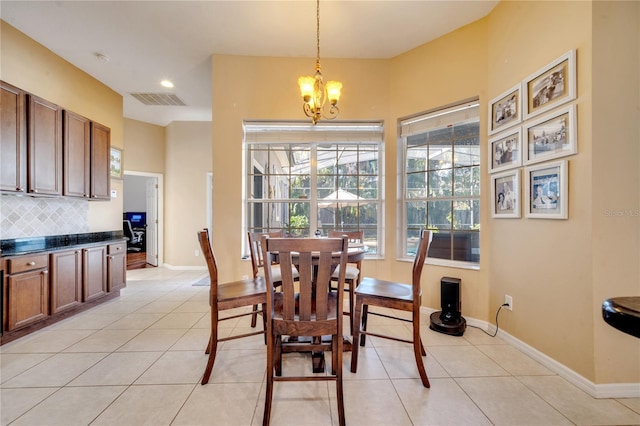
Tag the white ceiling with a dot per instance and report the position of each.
(148, 41)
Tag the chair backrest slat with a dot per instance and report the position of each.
(315, 259)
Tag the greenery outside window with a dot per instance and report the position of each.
(441, 183)
(301, 179)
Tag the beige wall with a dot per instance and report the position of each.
(558, 271)
(144, 147)
(31, 67)
(615, 179)
(188, 160)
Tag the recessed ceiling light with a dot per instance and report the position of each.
(167, 83)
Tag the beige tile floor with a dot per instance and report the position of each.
(138, 360)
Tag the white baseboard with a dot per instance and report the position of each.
(607, 390)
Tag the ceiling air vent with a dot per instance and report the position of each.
(158, 99)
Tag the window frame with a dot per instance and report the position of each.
(280, 134)
(416, 124)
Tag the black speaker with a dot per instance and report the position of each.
(449, 320)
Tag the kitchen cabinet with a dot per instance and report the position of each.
(100, 162)
(26, 291)
(66, 280)
(13, 146)
(44, 147)
(77, 155)
(94, 272)
(117, 266)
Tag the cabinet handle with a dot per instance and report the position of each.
(31, 263)
(118, 248)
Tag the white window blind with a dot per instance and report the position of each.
(438, 119)
(304, 132)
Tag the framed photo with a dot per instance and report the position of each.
(505, 110)
(505, 150)
(116, 163)
(551, 86)
(546, 191)
(505, 194)
(551, 136)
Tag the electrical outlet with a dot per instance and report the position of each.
(197, 253)
(508, 300)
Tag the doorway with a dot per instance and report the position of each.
(143, 194)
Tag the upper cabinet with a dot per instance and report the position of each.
(50, 152)
(44, 138)
(100, 162)
(13, 146)
(77, 155)
(86, 158)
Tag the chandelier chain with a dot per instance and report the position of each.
(318, 31)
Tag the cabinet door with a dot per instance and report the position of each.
(77, 150)
(117, 266)
(28, 298)
(66, 280)
(44, 137)
(100, 162)
(94, 272)
(13, 146)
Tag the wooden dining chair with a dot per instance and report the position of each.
(257, 261)
(231, 295)
(353, 272)
(393, 295)
(311, 311)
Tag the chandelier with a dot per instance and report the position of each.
(315, 92)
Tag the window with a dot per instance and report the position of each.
(302, 178)
(441, 185)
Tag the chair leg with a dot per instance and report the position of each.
(254, 316)
(269, 382)
(277, 354)
(418, 349)
(264, 321)
(212, 348)
(337, 366)
(365, 312)
(208, 350)
(356, 333)
(352, 285)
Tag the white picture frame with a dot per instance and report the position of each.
(551, 136)
(505, 195)
(551, 86)
(505, 110)
(505, 150)
(115, 168)
(547, 191)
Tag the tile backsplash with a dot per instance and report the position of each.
(24, 216)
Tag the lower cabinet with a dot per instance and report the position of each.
(66, 280)
(26, 291)
(94, 272)
(116, 266)
(40, 286)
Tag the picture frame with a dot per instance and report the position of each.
(547, 191)
(551, 136)
(505, 110)
(505, 194)
(505, 150)
(551, 86)
(116, 163)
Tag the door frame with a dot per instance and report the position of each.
(159, 208)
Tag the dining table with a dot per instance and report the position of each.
(355, 253)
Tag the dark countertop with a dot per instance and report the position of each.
(31, 245)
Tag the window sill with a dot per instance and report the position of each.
(446, 263)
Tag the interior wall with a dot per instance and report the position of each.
(616, 180)
(188, 160)
(144, 147)
(266, 88)
(32, 67)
